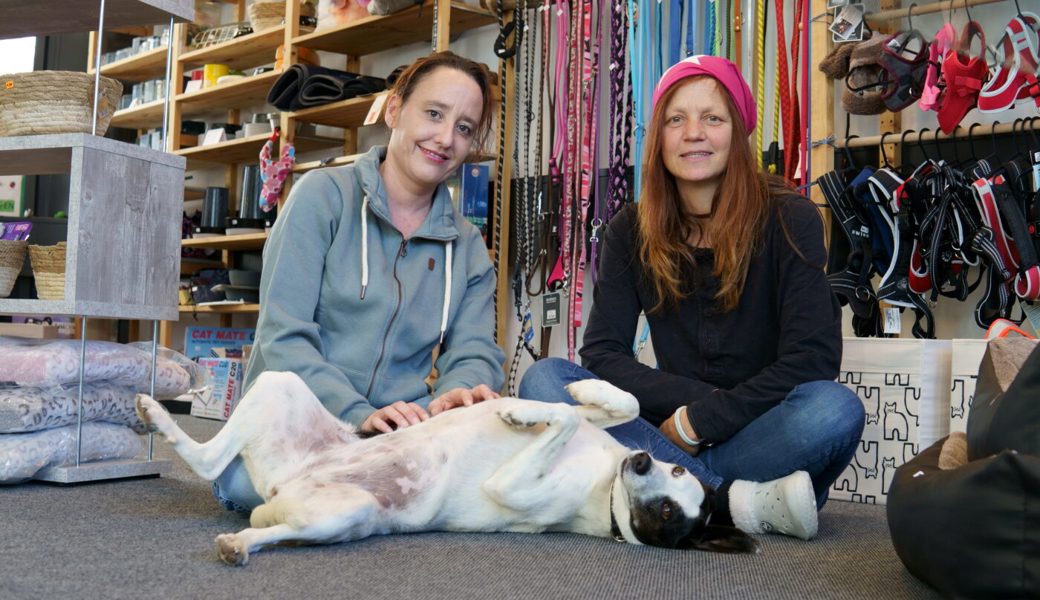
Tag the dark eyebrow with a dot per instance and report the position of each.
(444, 107)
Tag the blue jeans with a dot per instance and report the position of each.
(234, 490)
(816, 429)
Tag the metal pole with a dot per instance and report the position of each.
(97, 72)
(166, 102)
(79, 402)
(151, 388)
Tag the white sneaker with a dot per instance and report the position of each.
(786, 505)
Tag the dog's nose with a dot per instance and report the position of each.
(641, 463)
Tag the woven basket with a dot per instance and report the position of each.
(12, 257)
(55, 102)
(48, 265)
(263, 15)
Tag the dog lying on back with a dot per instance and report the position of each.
(501, 465)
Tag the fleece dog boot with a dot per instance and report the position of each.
(786, 505)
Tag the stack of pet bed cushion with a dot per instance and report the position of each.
(965, 514)
(38, 400)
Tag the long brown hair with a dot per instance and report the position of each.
(736, 223)
(423, 66)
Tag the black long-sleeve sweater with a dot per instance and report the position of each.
(727, 368)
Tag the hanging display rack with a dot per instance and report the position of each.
(995, 128)
(900, 13)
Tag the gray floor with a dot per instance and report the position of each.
(154, 538)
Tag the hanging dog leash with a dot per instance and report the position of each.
(274, 172)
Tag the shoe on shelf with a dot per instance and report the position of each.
(786, 505)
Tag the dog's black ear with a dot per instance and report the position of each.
(720, 538)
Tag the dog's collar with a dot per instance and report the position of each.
(615, 531)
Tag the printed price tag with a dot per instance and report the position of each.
(893, 320)
(376, 109)
(551, 309)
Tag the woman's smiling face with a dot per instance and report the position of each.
(434, 130)
(698, 130)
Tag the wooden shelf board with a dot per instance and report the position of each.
(377, 33)
(248, 149)
(345, 113)
(227, 96)
(350, 159)
(145, 116)
(104, 310)
(139, 67)
(74, 16)
(251, 50)
(244, 241)
(339, 161)
(51, 153)
(221, 308)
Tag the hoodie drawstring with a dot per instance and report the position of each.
(447, 288)
(364, 246)
(447, 267)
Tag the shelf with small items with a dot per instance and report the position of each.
(230, 308)
(142, 66)
(144, 116)
(250, 50)
(242, 241)
(349, 113)
(227, 95)
(247, 149)
(377, 33)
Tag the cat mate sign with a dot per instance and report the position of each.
(905, 388)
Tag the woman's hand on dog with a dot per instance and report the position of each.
(405, 414)
(395, 416)
(461, 397)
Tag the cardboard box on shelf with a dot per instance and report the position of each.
(218, 399)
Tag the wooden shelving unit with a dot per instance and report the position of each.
(348, 113)
(375, 33)
(145, 116)
(221, 309)
(226, 96)
(139, 67)
(247, 149)
(240, 53)
(244, 241)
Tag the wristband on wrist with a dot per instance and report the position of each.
(681, 430)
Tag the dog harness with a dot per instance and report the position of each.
(964, 76)
(942, 44)
(852, 284)
(904, 69)
(1014, 74)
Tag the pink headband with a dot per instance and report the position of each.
(723, 71)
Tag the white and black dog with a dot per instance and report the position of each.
(500, 465)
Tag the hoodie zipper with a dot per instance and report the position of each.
(401, 253)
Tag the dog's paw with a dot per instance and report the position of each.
(596, 392)
(232, 550)
(152, 414)
(524, 414)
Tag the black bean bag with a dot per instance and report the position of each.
(974, 531)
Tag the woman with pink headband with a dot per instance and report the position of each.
(727, 264)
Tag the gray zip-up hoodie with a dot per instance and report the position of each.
(356, 311)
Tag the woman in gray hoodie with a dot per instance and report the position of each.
(370, 269)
